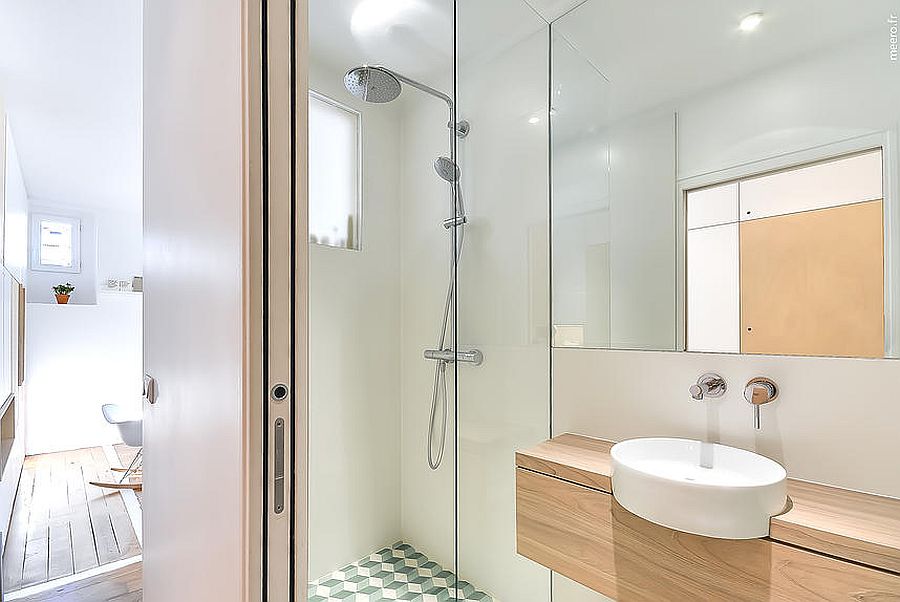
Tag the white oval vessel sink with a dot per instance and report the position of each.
(695, 487)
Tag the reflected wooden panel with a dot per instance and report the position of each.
(585, 535)
(812, 283)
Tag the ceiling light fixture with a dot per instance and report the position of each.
(534, 120)
(751, 22)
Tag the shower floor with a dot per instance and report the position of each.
(395, 573)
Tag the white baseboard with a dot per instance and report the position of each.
(63, 581)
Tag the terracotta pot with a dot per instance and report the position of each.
(62, 299)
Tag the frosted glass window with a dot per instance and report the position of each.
(56, 244)
(334, 174)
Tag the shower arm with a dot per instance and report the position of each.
(418, 85)
(461, 129)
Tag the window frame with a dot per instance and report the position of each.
(35, 252)
(313, 94)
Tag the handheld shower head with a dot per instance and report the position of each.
(372, 84)
(447, 170)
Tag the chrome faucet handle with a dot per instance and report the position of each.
(709, 385)
(760, 391)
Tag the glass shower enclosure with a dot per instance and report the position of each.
(429, 295)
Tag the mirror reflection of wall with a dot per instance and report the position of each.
(652, 101)
(790, 262)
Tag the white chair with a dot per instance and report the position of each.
(131, 430)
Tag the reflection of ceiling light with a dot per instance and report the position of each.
(751, 22)
(553, 112)
(372, 15)
(534, 120)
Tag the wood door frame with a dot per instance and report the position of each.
(886, 140)
(275, 294)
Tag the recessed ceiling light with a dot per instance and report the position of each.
(534, 120)
(751, 22)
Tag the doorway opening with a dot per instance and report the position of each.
(70, 296)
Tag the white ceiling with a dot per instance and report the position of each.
(551, 10)
(653, 51)
(70, 77)
(415, 37)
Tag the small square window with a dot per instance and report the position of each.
(55, 244)
(334, 173)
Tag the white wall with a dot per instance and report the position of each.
(193, 343)
(15, 217)
(80, 357)
(354, 415)
(642, 232)
(834, 421)
(813, 101)
(614, 276)
(120, 251)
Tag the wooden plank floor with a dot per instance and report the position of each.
(126, 454)
(61, 525)
(122, 585)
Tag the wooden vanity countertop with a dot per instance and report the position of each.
(854, 526)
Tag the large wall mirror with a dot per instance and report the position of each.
(725, 177)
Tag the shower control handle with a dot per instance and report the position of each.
(452, 222)
(473, 356)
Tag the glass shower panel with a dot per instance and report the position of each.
(503, 278)
(381, 519)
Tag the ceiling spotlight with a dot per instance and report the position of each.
(751, 22)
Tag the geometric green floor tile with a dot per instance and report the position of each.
(398, 572)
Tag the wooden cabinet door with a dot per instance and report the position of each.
(812, 283)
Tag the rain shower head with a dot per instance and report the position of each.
(372, 84)
(447, 169)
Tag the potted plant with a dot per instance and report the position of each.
(62, 292)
